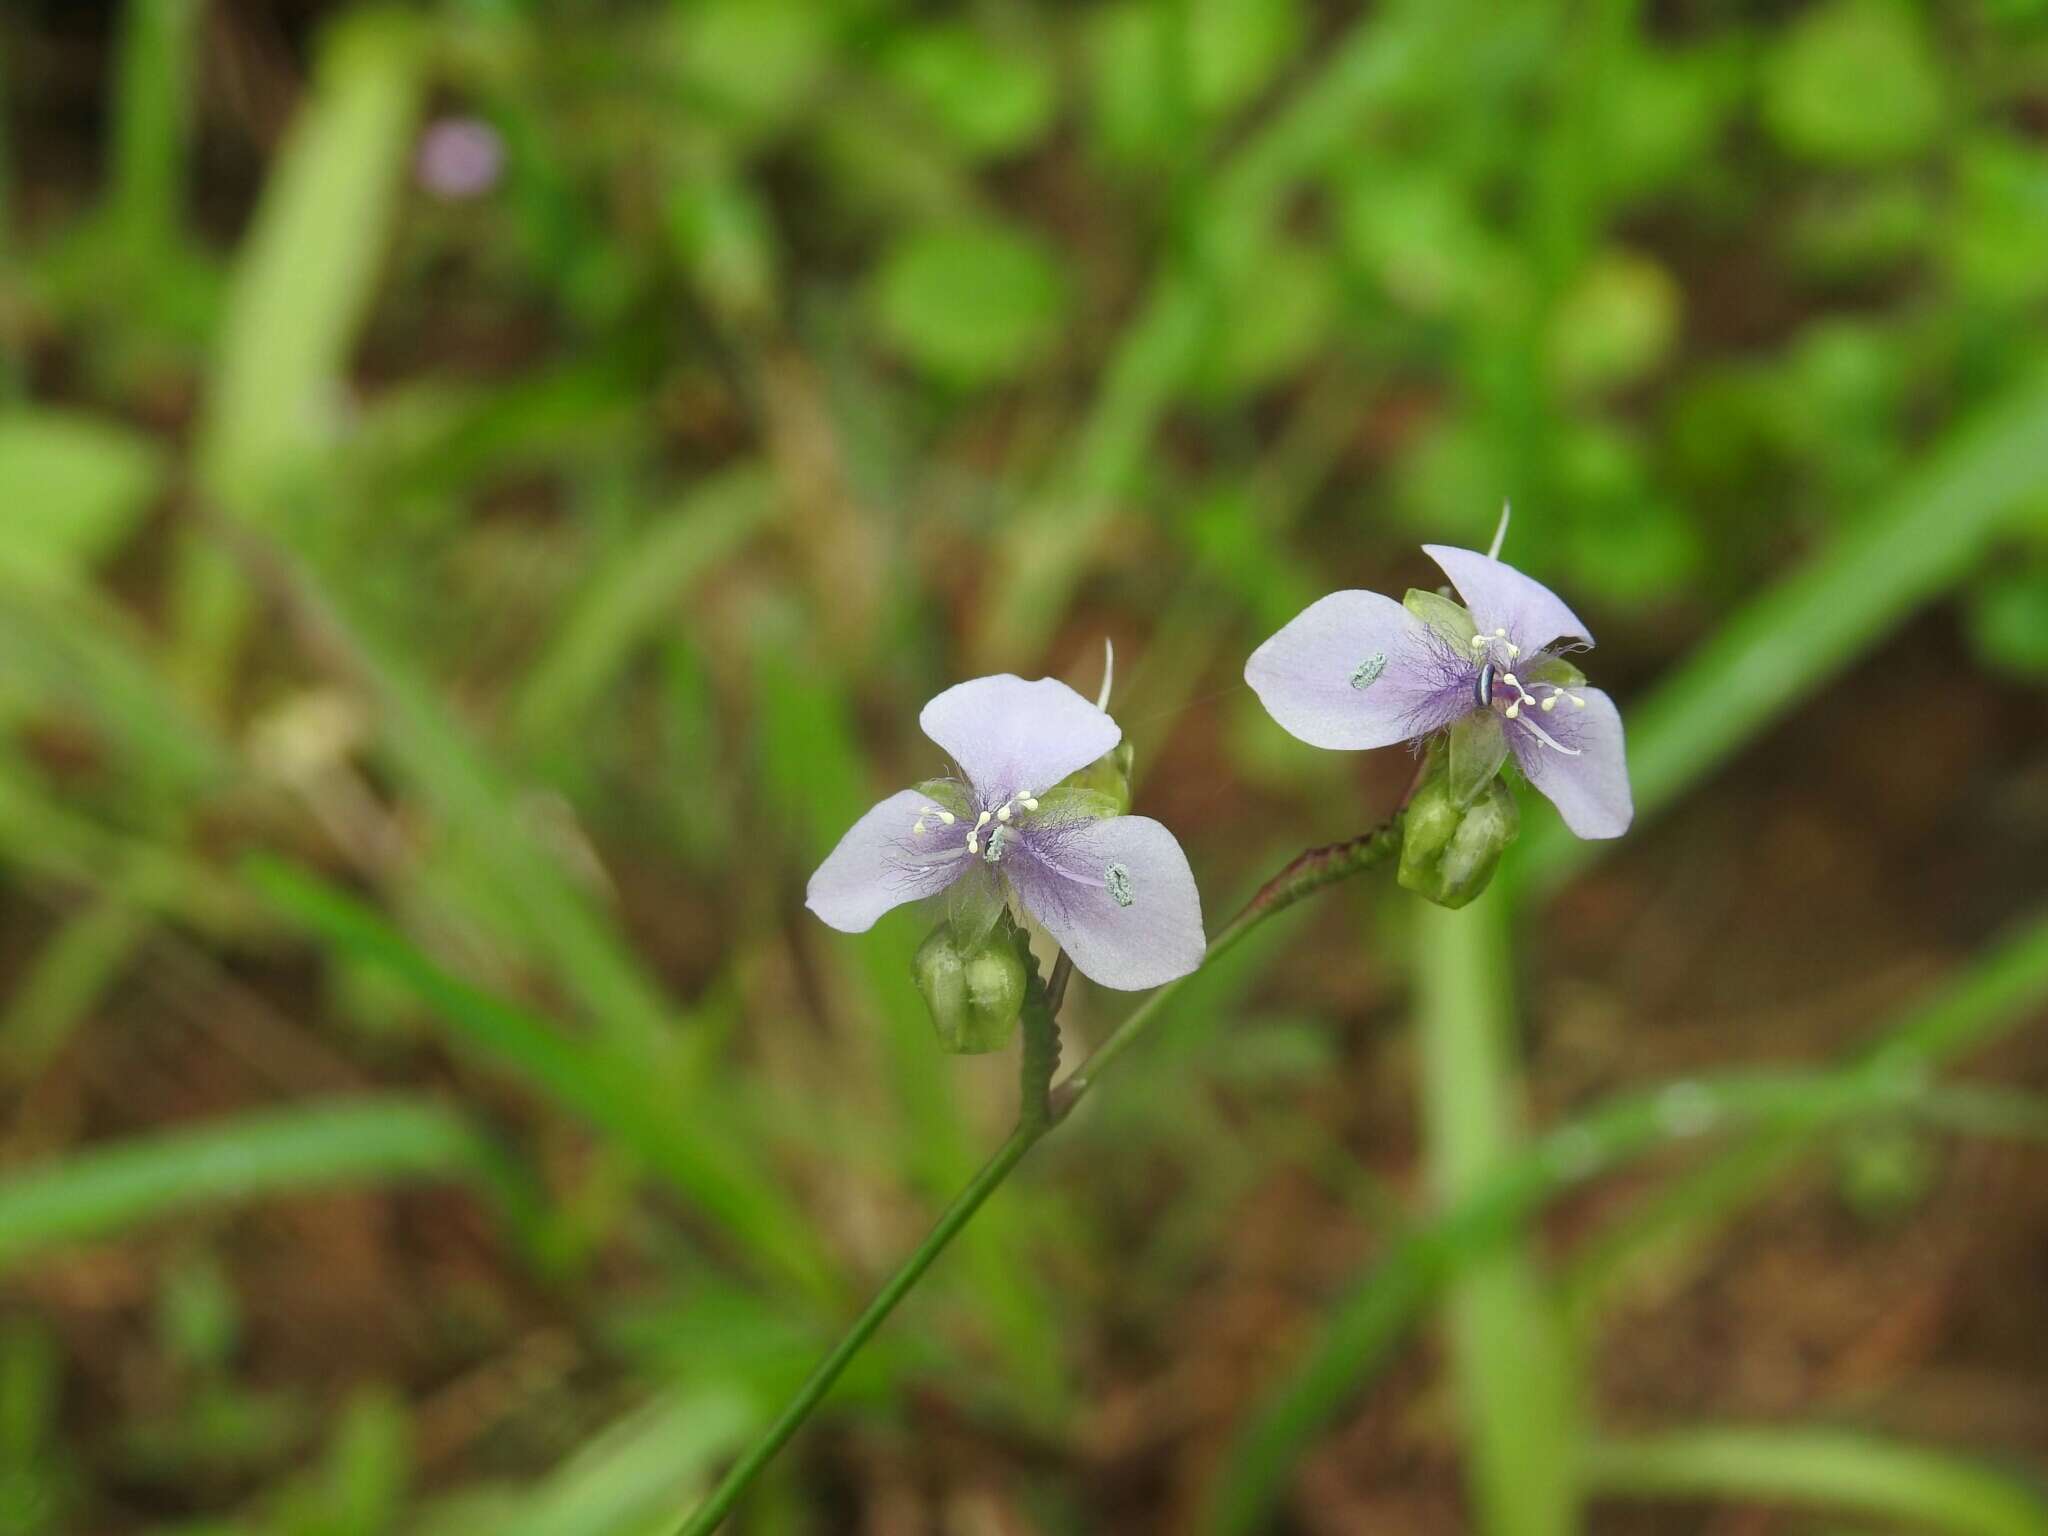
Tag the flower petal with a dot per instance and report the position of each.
(1355, 670)
(1590, 791)
(1007, 734)
(881, 863)
(1117, 895)
(1501, 597)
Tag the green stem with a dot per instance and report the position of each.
(812, 1392)
(1038, 1113)
(1514, 1373)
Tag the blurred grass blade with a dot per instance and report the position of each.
(1791, 1464)
(1515, 1375)
(689, 1145)
(447, 771)
(637, 592)
(626, 1481)
(816, 777)
(303, 282)
(300, 290)
(1051, 542)
(71, 973)
(74, 488)
(102, 1191)
(1374, 1316)
(153, 120)
(1810, 626)
(1997, 990)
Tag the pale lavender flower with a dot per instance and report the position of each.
(1357, 669)
(460, 158)
(1114, 891)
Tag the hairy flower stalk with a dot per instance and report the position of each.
(1042, 1107)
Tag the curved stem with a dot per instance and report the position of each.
(736, 1482)
(1037, 1114)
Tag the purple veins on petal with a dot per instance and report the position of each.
(1588, 779)
(1506, 604)
(1354, 670)
(1009, 735)
(1117, 895)
(883, 861)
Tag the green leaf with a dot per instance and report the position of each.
(74, 489)
(1837, 1469)
(626, 603)
(973, 305)
(309, 266)
(753, 64)
(1854, 82)
(102, 1191)
(2009, 621)
(1616, 325)
(1271, 321)
(1938, 521)
(989, 98)
(1235, 47)
(609, 1090)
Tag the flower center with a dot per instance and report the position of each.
(1492, 686)
(991, 830)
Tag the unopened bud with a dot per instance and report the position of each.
(1449, 852)
(1110, 776)
(975, 995)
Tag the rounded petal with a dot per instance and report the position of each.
(882, 863)
(1501, 597)
(1007, 734)
(1355, 670)
(1118, 896)
(1591, 790)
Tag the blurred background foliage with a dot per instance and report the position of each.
(484, 490)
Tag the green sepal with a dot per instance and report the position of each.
(1478, 746)
(975, 995)
(1071, 803)
(1442, 615)
(973, 903)
(1449, 852)
(1554, 670)
(947, 795)
(1108, 776)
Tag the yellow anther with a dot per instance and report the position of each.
(981, 823)
(946, 817)
(1513, 650)
(917, 827)
(1031, 805)
(1577, 702)
(1500, 634)
(1509, 679)
(1515, 711)
(973, 843)
(1549, 704)
(1478, 642)
(1003, 814)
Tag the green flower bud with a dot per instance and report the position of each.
(1108, 777)
(1448, 851)
(975, 995)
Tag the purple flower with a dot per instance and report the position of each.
(1360, 670)
(1114, 891)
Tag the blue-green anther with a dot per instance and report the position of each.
(1368, 671)
(1118, 879)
